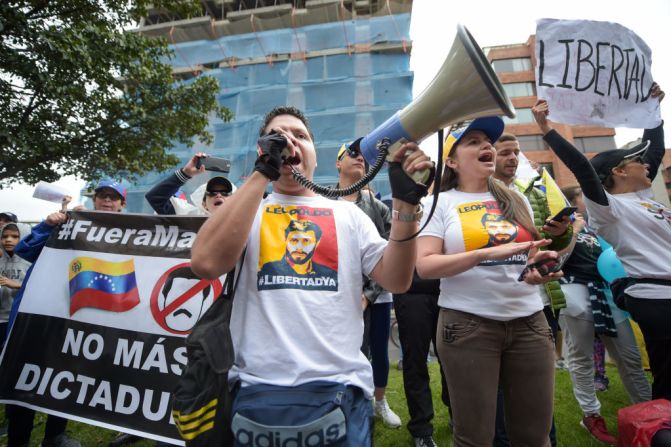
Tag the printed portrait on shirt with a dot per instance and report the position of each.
(483, 225)
(658, 210)
(500, 230)
(298, 249)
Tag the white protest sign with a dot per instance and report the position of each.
(595, 73)
(49, 192)
(525, 171)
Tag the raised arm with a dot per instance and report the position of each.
(655, 153)
(570, 156)
(30, 247)
(223, 236)
(159, 196)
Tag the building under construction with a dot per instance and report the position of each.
(345, 63)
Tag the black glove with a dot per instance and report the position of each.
(270, 158)
(405, 188)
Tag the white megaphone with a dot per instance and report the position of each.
(466, 87)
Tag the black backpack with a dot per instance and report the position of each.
(202, 400)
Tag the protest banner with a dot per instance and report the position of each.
(595, 73)
(100, 333)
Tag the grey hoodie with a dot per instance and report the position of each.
(12, 267)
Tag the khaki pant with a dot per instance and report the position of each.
(476, 353)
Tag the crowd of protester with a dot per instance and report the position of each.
(488, 282)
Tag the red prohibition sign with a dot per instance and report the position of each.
(161, 314)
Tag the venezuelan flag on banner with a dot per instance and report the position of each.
(102, 284)
(556, 200)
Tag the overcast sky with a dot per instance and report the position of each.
(492, 23)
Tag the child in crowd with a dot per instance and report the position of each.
(12, 271)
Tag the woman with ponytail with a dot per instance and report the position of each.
(491, 326)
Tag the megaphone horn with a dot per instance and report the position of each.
(466, 87)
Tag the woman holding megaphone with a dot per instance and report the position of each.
(617, 188)
(484, 247)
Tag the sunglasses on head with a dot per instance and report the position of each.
(215, 193)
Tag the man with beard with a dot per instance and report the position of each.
(296, 344)
(507, 161)
(302, 238)
(500, 230)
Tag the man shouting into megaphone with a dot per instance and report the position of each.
(297, 337)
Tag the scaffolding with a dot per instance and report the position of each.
(348, 74)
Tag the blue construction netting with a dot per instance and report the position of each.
(326, 36)
(344, 96)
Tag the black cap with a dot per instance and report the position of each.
(219, 181)
(9, 216)
(604, 162)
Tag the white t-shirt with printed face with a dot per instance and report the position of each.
(297, 314)
(469, 221)
(639, 229)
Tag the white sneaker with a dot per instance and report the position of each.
(389, 418)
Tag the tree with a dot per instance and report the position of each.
(79, 95)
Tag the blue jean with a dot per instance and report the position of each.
(360, 423)
(380, 320)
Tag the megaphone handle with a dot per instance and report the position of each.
(420, 177)
(424, 175)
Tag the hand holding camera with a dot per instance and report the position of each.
(215, 164)
(193, 167)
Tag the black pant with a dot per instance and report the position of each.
(417, 317)
(21, 425)
(654, 318)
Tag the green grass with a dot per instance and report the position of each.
(567, 412)
(567, 416)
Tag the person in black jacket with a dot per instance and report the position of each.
(205, 199)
